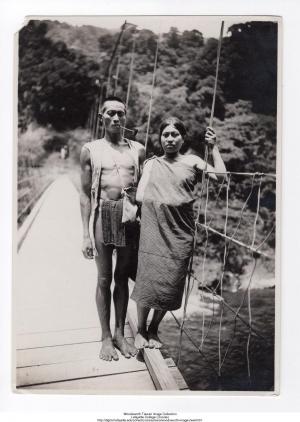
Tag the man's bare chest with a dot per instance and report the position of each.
(117, 159)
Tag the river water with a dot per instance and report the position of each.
(201, 373)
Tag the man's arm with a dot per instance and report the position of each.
(85, 201)
(142, 156)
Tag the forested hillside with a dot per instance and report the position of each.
(58, 82)
(61, 67)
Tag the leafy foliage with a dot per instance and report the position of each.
(55, 84)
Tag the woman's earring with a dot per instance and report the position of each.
(100, 119)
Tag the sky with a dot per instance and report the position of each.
(208, 25)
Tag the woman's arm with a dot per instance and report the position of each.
(201, 165)
(218, 165)
(213, 150)
(144, 181)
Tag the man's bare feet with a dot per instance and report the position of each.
(154, 340)
(128, 350)
(108, 352)
(140, 341)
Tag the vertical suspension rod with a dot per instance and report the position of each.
(130, 71)
(216, 77)
(109, 66)
(152, 90)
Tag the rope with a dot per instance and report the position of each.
(98, 102)
(189, 336)
(116, 76)
(152, 90)
(99, 126)
(257, 213)
(250, 329)
(237, 242)
(123, 27)
(217, 198)
(130, 72)
(94, 120)
(212, 318)
(203, 263)
(216, 77)
(236, 173)
(222, 275)
(249, 286)
(266, 238)
(88, 123)
(118, 65)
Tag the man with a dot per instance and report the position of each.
(109, 167)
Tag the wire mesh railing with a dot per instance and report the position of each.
(233, 234)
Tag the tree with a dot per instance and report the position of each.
(249, 65)
(55, 84)
(172, 37)
(192, 38)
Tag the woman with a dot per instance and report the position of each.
(166, 191)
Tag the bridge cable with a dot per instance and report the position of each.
(131, 70)
(152, 91)
(249, 285)
(222, 274)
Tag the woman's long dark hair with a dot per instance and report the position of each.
(179, 125)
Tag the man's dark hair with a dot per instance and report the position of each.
(113, 98)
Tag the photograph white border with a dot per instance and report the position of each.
(12, 18)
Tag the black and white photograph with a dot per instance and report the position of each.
(147, 186)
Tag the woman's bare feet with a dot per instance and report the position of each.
(154, 340)
(141, 341)
(108, 352)
(128, 350)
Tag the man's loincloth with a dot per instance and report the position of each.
(113, 230)
(110, 229)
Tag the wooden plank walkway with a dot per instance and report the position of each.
(56, 326)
